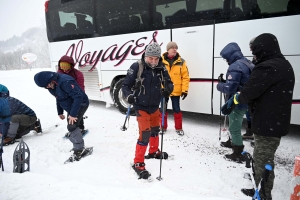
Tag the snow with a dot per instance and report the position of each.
(198, 170)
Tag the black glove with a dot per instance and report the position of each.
(183, 95)
(131, 99)
(221, 79)
(165, 93)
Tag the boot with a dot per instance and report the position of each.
(165, 121)
(157, 155)
(78, 154)
(141, 171)
(38, 127)
(236, 156)
(248, 135)
(8, 141)
(178, 120)
(248, 192)
(226, 144)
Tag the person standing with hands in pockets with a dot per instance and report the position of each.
(144, 90)
(179, 74)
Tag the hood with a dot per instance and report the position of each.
(231, 52)
(67, 59)
(265, 47)
(42, 79)
(4, 92)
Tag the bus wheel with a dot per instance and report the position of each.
(119, 99)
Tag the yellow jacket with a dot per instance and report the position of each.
(179, 74)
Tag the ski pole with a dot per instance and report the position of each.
(162, 135)
(220, 118)
(123, 128)
(1, 146)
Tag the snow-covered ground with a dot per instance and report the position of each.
(198, 170)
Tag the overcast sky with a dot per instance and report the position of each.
(16, 16)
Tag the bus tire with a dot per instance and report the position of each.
(119, 99)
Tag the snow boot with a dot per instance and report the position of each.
(248, 192)
(78, 154)
(141, 171)
(38, 126)
(158, 155)
(8, 141)
(236, 156)
(180, 132)
(248, 135)
(165, 121)
(227, 144)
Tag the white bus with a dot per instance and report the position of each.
(105, 37)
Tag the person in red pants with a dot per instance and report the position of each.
(145, 95)
(179, 74)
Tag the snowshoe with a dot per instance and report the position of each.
(158, 155)
(139, 168)
(180, 132)
(77, 155)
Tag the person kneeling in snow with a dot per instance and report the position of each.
(21, 118)
(71, 98)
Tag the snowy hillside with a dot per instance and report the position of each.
(198, 170)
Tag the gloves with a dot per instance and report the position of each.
(221, 79)
(131, 99)
(228, 107)
(183, 95)
(236, 98)
(165, 93)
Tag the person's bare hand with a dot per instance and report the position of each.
(72, 120)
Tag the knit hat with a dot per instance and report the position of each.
(3, 91)
(153, 49)
(170, 45)
(65, 66)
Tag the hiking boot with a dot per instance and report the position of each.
(158, 155)
(248, 192)
(8, 141)
(248, 135)
(180, 132)
(38, 127)
(78, 154)
(139, 168)
(226, 144)
(236, 156)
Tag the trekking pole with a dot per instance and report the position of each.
(261, 185)
(1, 147)
(162, 135)
(220, 118)
(123, 128)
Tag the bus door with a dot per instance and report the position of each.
(195, 46)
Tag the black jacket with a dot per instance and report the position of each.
(148, 95)
(269, 91)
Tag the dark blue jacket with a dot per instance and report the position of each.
(69, 96)
(237, 74)
(149, 94)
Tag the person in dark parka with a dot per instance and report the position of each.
(269, 93)
(71, 98)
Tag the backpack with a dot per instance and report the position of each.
(4, 110)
